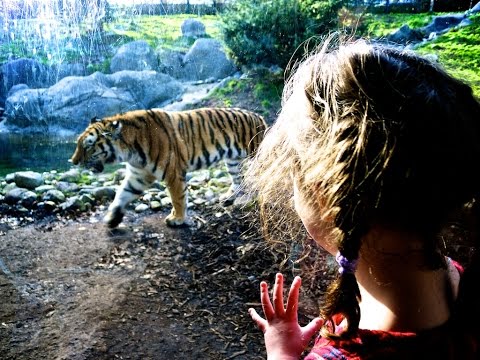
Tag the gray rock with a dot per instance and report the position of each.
(443, 22)
(71, 175)
(72, 204)
(193, 28)
(405, 35)
(149, 89)
(28, 179)
(16, 88)
(8, 187)
(44, 188)
(171, 62)
(23, 71)
(10, 178)
(87, 199)
(54, 195)
(67, 187)
(104, 192)
(47, 205)
(155, 205)
(207, 59)
(136, 55)
(20, 195)
(141, 208)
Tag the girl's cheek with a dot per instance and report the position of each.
(320, 231)
(322, 234)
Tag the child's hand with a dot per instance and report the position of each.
(284, 337)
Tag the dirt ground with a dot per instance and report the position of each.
(72, 289)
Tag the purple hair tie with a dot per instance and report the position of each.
(346, 266)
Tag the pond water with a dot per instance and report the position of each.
(36, 152)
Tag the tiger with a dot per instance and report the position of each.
(165, 145)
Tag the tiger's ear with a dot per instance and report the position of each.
(116, 130)
(95, 119)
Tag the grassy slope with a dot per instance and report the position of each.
(380, 25)
(457, 50)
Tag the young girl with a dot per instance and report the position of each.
(376, 149)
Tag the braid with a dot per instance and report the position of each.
(343, 294)
(467, 311)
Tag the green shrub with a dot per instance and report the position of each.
(324, 12)
(264, 32)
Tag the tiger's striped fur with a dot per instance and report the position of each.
(164, 146)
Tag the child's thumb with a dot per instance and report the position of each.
(312, 328)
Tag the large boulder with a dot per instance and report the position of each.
(193, 28)
(60, 71)
(73, 101)
(443, 23)
(135, 55)
(171, 62)
(405, 35)
(206, 59)
(33, 74)
(22, 71)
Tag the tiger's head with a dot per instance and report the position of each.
(95, 146)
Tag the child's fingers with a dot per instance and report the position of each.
(312, 328)
(293, 295)
(261, 322)
(265, 300)
(278, 295)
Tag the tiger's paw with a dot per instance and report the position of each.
(113, 218)
(173, 221)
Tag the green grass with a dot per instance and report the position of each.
(459, 52)
(162, 30)
(158, 31)
(260, 91)
(380, 25)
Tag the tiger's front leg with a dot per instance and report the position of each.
(177, 188)
(135, 182)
